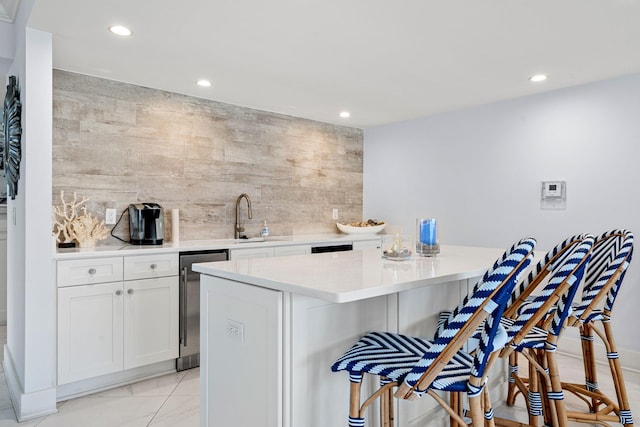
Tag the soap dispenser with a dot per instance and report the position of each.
(265, 229)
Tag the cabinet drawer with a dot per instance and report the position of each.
(292, 250)
(150, 266)
(89, 271)
(248, 253)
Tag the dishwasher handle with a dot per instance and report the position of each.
(183, 308)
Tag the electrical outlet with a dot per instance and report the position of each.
(110, 216)
(235, 331)
(335, 214)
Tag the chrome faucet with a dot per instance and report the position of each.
(239, 228)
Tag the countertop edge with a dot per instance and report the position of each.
(213, 244)
(336, 297)
(339, 296)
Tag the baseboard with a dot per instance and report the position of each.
(27, 405)
(629, 359)
(117, 379)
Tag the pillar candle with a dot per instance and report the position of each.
(428, 231)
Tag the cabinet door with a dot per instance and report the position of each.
(89, 331)
(150, 321)
(249, 253)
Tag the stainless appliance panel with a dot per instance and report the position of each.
(190, 305)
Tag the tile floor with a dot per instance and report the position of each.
(170, 400)
(572, 370)
(174, 400)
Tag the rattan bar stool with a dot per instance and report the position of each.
(535, 330)
(417, 366)
(551, 265)
(612, 254)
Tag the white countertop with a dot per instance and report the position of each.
(213, 244)
(354, 275)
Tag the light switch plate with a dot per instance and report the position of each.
(110, 216)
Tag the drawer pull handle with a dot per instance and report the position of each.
(92, 271)
(130, 291)
(154, 266)
(118, 292)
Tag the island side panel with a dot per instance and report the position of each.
(418, 312)
(320, 333)
(241, 354)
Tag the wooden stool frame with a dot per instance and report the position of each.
(544, 378)
(595, 321)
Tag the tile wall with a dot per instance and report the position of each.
(118, 143)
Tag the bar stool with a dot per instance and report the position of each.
(417, 366)
(555, 263)
(536, 327)
(611, 257)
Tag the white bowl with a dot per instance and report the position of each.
(361, 230)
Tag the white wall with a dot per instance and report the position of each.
(7, 50)
(479, 172)
(29, 359)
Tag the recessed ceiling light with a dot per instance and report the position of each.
(345, 114)
(538, 78)
(203, 83)
(120, 30)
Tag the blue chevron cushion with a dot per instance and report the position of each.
(394, 355)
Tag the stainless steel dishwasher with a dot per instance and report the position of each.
(190, 305)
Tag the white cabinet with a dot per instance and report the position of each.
(291, 250)
(120, 324)
(264, 252)
(149, 266)
(150, 321)
(89, 271)
(90, 331)
(366, 244)
(248, 253)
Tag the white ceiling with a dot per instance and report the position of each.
(383, 60)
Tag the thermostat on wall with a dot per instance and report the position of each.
(554, 195)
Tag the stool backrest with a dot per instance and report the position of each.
(550, 308)
(488, 299)
(612, 253)
(548, 265)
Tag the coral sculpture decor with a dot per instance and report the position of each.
(71, 226)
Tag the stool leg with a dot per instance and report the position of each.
(391, 411)
(534, 400)
(513, 370)
(616, 374)
(386, 404)
(555, 396)
(489, 421)
(588, 358)
(454, 402)
(355, 383)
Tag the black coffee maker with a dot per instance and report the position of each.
(146, 223)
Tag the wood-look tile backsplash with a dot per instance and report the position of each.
(118, 143)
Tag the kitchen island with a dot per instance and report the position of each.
(272, 327)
